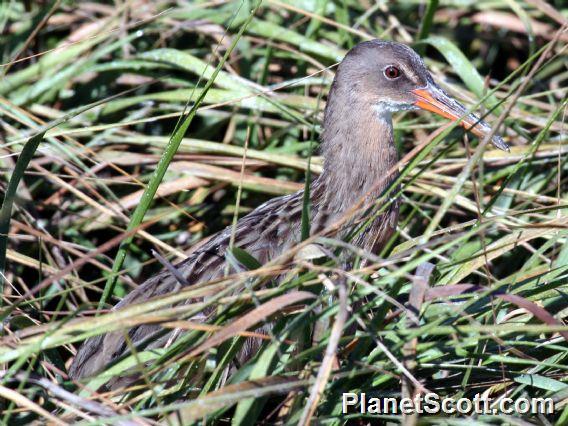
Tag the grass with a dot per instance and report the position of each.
(129, 126)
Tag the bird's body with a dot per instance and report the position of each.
(359, 153)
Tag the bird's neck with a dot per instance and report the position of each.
(359, 154)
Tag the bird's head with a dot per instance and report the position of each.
(392, 77)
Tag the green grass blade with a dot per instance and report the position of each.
(464, 68)
(427, 19)
(6, 210)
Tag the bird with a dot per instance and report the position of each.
(375, 79)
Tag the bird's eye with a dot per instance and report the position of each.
(392, 72)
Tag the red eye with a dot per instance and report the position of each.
(392, 72)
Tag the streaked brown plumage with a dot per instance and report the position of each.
(375, 79)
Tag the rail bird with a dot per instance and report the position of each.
(375, 79)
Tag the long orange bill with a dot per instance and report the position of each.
(432, 98)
